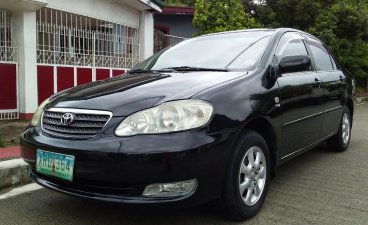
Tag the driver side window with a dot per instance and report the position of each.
(291, 44)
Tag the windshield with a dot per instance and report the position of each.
(239, 50)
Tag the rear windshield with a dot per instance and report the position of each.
(239, 50)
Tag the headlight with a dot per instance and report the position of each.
(168, 117)
(37, 115)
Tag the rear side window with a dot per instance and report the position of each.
(321, 56)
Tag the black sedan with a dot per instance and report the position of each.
(209, 119)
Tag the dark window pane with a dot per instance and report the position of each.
(321, 56)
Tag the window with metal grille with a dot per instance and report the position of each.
(69, 39)
(8, 48)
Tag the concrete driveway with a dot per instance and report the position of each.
(319, 187)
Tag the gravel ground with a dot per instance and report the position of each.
(319, 187)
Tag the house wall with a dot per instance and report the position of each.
(179, 25)
(25, 82)
(108, 10)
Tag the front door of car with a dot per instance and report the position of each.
(301, 97)
(334, 83)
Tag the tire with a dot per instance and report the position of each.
(236, 203)
(340, 141)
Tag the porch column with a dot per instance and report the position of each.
(146, 34)
(27, 63)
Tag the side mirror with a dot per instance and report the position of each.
(294, 63)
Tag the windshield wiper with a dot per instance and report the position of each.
(190, 68)
(150, 71)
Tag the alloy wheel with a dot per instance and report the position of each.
(346, 128)
(252, 176)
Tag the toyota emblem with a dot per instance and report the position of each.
(67, 119)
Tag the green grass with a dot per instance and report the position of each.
(2, 143)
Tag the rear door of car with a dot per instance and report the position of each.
(334, 85)
(301, 98)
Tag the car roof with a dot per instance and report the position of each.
(239, 31)
(277, 30)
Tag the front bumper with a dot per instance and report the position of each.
(117, 169)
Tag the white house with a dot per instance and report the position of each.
(47, 46)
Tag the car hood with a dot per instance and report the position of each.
(127, 94)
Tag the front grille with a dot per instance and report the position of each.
(85, 123)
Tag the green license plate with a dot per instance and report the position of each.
(55, 164)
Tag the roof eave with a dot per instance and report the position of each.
(175, 10)
(156, 5)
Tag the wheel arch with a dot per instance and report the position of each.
(350, 104)
(264, 127)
